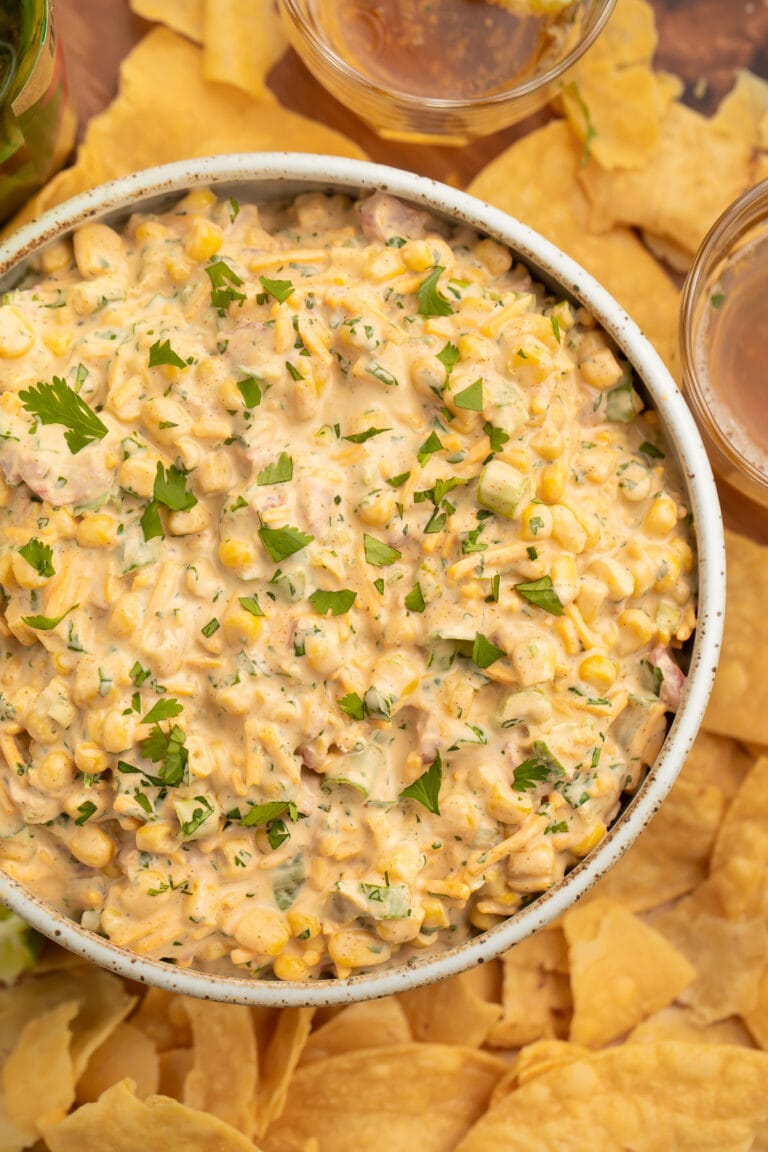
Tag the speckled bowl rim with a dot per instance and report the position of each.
(256, 176)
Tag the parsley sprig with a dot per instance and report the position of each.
(39, 556)
(426, 790)
(57, 403)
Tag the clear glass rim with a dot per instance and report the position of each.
(750, 209)
(352, 75)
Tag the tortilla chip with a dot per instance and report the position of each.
(756, 1017)
(647, 1097)
(621, 971)
(280, 1060)
(672, 855)
(223, 1076)
(536, 993)
(184, 16)
(536, 1060)
(150, 123)
(745, 828)
(678, 1023)
(729, 954)
(450, 1012)
(739, 702)
(127, 1054)
(372, 1024)
(37, 1079)
(103, 999)
(162, 1017)
(716, 761)
(174, 1066)
(616, 112)
(242, 42)
(694, 174)
(536, 179)
(417, 1096)
(629, 37)
(119, 1122)
(742, 111)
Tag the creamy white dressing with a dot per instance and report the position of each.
(334, 623)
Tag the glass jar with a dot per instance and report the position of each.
(38, 125)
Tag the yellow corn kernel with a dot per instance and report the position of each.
(377, 509)
(519, 458)
(356, 948)
(179, 267)
(380, 266)
(92, 846)
(616, 577)
(435, 915)
(534, 660)
(96, 530)
(185, 523)
(263, 930)
(566, 529)
(126, 614)
(137, 474)
(204, 239)
(472, 346)
(643, 575)
(563, 313)
(57, 342)
(549, 443)
(496, 258)
(552, 481)
(156, 837)
(56, 256)
(56, 771)
(152, 230)
(24, 574)
(600, 671)
(537, 522)
(239, 625)
(661, 517)
(198, 200)
(569, 636)
(636, 629)
(591, 598)
(684, 553)
(601, 369)
(216, 474)
(10, 403)
(669, 573)
(303, 924)
(417, 255)
(90, 758)
(16, 336)
(118, 731)
(236, 552)
(565, 578)
(287, 967)
(590, 841)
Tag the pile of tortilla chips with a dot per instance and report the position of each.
(640, 1020)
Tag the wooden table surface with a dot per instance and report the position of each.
(701, 41)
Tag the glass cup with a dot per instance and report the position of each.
(399, 114)
(37, 130)
(723, 335)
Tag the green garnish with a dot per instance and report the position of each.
(352, 705)
(378, 553)
(167, 749)
(222, 279)
(337, 603)
(201, 810)
(211, 627)
(86, 810)
(46, 623)
(589, 129)
(430, 445)
(163, 710)
(431, 303)
(497, 436)
(426, 790)
(471, 398)
(484, 653)
(279, 290)
(57, 403)
(717, 299)
(449, 357)
(379, 585)
(263, 813)
(398, 481)
(414, 601)
(541, 594)
(555, 327)
(162, 353)
(648, 449)
(139, 674)
(151, 524)
(278, 473)
(361, 437)
(250, 391)
(293, 371)
(553, 829)
(283, 542)
(382, 375)
(250, 604)
(171, 489)
(530, 773)
(39, 556)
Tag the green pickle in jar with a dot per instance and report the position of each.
(38, 126)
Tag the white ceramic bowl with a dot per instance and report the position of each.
(267, 176)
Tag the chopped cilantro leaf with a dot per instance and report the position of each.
(541, 594)
(171, 489)
(162, 353)
(283, 542)
(337, 603)
(47, 623)
(250, 604)
(163, 710)
(497, 436)
(361, 437)
(431, 444)
(211, 627)
(57, 403)
(378, 553)
(414, 601)
(398, 481)
(278, 473)
(86, 810)
(426, 790)
(471, 398)
(224, 284)
(250, 391)
(352, 705)
(449, 357)
(39, 556)
(279, 290)
(484, 653)
(293, 371)
(431, 303)
(151, 524)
